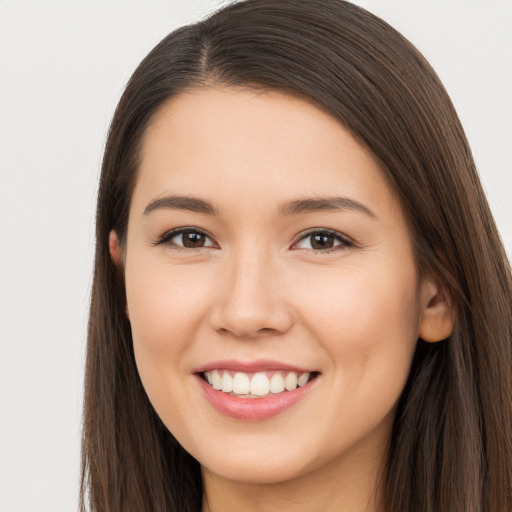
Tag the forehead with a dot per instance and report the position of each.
(253, 145)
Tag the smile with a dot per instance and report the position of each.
(256, 384)
(255, 391)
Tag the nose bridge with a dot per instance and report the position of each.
(251, 302)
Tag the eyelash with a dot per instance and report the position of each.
(343, 241)
(169, 235)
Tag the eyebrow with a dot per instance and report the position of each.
(323, 204)
(296, 207)
(192, 204)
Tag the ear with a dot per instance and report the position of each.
(437, 316)
(114, 248)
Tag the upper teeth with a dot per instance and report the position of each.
(257, 384)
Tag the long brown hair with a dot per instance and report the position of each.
(451, 446)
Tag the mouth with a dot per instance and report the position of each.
(256, 385)
(255, 390)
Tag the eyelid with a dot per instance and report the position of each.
(345, 241)
(171, 233)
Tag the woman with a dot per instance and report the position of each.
(300, 298)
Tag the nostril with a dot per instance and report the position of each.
(260, 333)
(266, 330)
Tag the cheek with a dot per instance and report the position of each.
(367, 324)
(362, 299)
(164, 304)
(166, 308)
(367, 328)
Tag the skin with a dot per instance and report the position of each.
(258, 290)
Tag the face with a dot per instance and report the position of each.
(271, 286)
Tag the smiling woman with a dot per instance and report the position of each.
(300, 299)
(274, 286)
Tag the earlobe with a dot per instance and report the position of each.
(114, 249)
(437, 317)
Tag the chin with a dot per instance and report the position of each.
(269, 472)
(263, 462)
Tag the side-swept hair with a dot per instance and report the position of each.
(451, 445)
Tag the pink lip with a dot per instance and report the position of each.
(260, 365)
(253, 408)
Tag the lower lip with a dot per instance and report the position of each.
(254, 408)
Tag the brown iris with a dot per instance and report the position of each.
(322, 241)
(193, 239)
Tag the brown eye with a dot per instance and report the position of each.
(193, 239)
(322, 241)
(187, 238)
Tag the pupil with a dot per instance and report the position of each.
(322, 241)
(193, 239)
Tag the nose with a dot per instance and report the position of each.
(252, 302)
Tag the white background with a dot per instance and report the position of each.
(63, 65)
